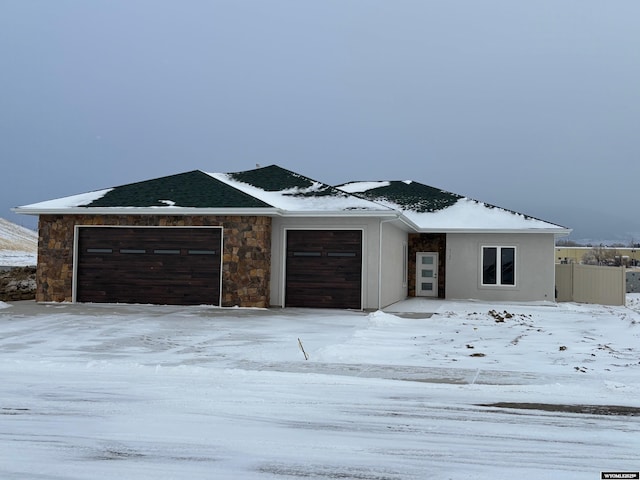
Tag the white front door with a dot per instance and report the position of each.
(427, 274)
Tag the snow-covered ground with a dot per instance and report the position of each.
(149, 392)
(12, 258)
(18, 245)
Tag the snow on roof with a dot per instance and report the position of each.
(423, 207)
(302, 199)
(432, 209)
(79, 200)
(359, 187)
(472, 215)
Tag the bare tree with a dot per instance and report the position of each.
(599, 255)
(567, 243)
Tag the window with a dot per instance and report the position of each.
(99, 250)
(498, 265)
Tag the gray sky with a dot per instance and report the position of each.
(532, 106)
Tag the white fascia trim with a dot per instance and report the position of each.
(340, 213)
(274, 212)
(148, 211)
(277, 212)
(564, 233)
(556, 231)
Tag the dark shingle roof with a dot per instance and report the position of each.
(191, 189)
(275, 190)
(412, 196)
(276, 179)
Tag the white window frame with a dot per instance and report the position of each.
(499, 266)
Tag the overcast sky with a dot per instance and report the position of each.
(528, 105)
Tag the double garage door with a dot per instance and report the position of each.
(324, 269)
(176, 266)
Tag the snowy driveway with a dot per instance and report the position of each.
(149, 392)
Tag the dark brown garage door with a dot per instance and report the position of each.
(324, 268)
(173, 266)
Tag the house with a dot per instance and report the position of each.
(271, 237)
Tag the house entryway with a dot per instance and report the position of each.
(427, 274)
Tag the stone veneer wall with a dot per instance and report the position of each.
(246, 263)
(18, 283)
(427, 242)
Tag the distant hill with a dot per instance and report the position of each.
(18, 245)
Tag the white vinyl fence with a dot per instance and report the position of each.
(590, 284)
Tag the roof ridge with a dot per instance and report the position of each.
(257, 178)
(290, 186)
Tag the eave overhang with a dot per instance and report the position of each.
(277, 212)
(341, 213)
(559, 232)
(274, 212)
(147, 211)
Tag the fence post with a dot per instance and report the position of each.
(623, 285)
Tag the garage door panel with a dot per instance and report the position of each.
(139, 237)
(149, 265)
(324, 268)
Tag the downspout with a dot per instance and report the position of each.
(380, 260)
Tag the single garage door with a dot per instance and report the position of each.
(172, 266)
(324, 269)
